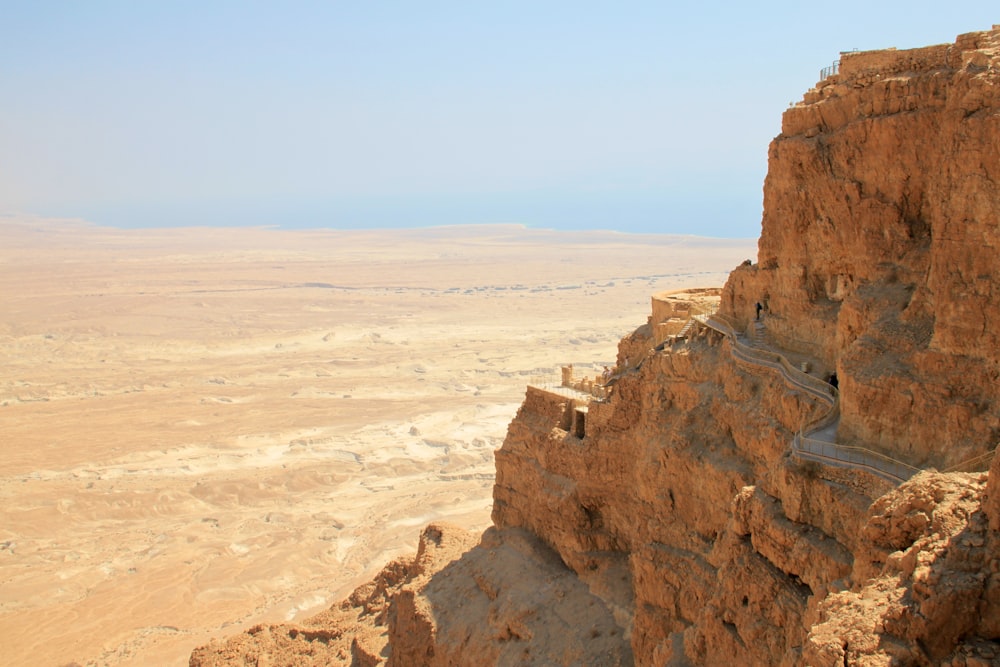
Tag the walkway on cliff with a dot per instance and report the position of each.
(816, 440)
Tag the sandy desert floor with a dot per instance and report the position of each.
(203, 429)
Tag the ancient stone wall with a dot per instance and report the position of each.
(671, 310)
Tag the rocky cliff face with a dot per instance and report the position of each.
(878, 246)
(672, 523)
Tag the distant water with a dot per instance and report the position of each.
(716, 214)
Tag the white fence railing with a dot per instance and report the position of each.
(803, 446)
(831, 453)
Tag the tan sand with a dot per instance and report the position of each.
(203, 429)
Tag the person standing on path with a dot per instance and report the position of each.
(759, 308)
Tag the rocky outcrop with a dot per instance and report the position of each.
(503, 599)
(878, 245)
(354, 632)
(509, 600)
(670, 522)
(928, 581)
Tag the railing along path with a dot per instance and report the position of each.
(816, 440)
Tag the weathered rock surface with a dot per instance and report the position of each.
(352, 632)
(671, 523)
(503, 599)
(927, 584)
(878, 245)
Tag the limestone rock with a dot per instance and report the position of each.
(878, 246)
(510, 600)
(926, 587)
(353, 632)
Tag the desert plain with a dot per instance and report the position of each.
(207, 428)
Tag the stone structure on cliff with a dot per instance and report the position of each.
(676, 525)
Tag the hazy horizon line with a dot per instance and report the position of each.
(32, 217)
(723, 215)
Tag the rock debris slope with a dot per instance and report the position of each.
(671, 522)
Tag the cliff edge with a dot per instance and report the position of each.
(800, 477)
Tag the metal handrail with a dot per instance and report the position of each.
(827, 72)
(855, 457)
(975, 461)
(794, 376)
(818, 388)
(802, 445)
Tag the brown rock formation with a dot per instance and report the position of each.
(660, 492)
(506, 600)
(354, 632)
(928, 581)
(671, 523)
(878, 245)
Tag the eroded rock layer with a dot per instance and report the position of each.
(878, 250)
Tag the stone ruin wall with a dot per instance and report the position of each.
(671, 310)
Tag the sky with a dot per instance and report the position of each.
(641, 117)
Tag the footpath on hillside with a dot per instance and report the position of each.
(816, 441)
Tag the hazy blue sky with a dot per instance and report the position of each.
(637, 116)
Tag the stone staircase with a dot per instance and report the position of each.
(755, 333)
(686, 329)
